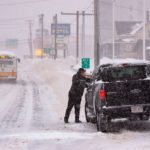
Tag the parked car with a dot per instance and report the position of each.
(118, 90)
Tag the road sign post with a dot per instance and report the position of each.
(47, 50)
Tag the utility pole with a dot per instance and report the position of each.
(113, 33)
(77, 31)
(42, 33)
(77, 14)
(77, 36)
(96, 34)
(83, 33)
(30, 38)
(55, 44)
(144, 29)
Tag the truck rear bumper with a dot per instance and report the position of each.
(125, 111)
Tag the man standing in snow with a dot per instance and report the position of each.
(75, 95)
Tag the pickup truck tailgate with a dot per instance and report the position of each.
(131, 92)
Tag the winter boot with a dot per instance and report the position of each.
(78, 121)
(66, 120)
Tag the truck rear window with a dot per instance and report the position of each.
(125, 73)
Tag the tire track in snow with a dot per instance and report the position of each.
(38, 121)
(43, 111)
(34, 119)
(16, 118)
(11, 118)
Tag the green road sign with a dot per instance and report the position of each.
(11, 43)
(47, 50)
(86, 63)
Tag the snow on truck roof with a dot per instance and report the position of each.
(117, 62)
(8, 53)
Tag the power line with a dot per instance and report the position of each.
(21, 40)
(17, 19)
(73, 22)
(21, 3)
(77, 14)
(8, 24)
(8, 29)
(76, 21)
(12, 26)
(89, 6)
(120, 6)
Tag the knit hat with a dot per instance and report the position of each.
(81, 70)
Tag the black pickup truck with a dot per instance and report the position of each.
(116, 91)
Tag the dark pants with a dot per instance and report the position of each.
(74, 101)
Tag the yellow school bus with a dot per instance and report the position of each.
(8, 65)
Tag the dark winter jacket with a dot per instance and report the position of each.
(78, 85)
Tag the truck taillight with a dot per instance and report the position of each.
(102, 95)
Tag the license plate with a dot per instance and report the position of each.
(137, 109)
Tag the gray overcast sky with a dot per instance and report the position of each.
(10, 29)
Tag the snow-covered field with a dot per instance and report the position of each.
(32, 111)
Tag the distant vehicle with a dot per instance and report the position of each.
(8, 65)
(118, 90)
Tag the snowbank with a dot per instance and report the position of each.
(136, 28)
(128, 40)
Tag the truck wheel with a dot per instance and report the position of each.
(86, 112)
(102, 122)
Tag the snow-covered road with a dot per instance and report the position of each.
(32, 110)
